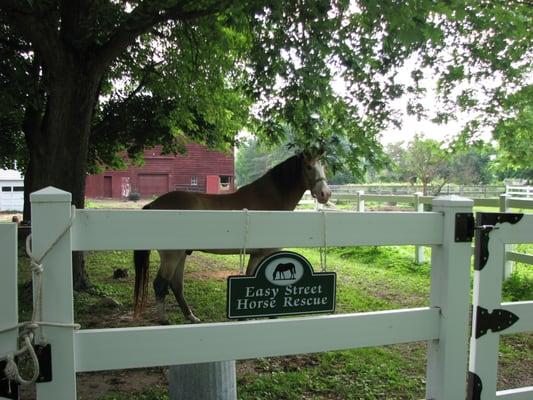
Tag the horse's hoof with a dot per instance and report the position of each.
(193, 318)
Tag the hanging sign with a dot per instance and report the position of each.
(284, 284)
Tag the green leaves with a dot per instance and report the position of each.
(326, 72)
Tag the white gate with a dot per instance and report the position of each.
(443, 324)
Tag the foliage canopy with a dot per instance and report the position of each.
(166, 71)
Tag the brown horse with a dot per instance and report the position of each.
(281, 188)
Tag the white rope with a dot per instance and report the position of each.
(324, 248)
(245, 241)
(11, 370)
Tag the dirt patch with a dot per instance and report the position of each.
(217, 275)
(95, 385)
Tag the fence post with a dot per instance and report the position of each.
(509, 265)
(8, 293)
(361, 200)
(450, 292)
(51, 213)
(419, 250)
(205, 381)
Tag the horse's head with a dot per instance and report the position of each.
(315, 177)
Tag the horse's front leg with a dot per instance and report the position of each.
(171, 274)
(255, 257)
(176, 285)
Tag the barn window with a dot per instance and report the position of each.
(225, 181)
(18, 188)
(194, 181)
(6, 188)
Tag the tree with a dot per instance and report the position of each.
(472, 165)
(83, 79)
(514, 134)
(428, 163)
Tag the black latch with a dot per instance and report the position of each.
(44, 355)
(464, 227)
(485, 223)
(8, 389)
(475, 386)
(496, 321)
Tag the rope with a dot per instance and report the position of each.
(11, 370)
(245, 241)
(324, 248)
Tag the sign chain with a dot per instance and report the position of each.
(242, 255)
(324, 248)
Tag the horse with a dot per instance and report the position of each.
(281, 269)
(280, 189)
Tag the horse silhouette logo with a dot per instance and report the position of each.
(279, 272)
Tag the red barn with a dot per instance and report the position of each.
(199, 170)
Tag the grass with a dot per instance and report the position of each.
(368, 279)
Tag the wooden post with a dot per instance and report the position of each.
(509, 265)
(8, 292)
(206, 381)
(51, 213)
(450, 293)
(419, 250)
(361, 200)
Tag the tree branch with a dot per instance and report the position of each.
(143, 18)
(38, 26)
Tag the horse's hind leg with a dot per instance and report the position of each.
(172, 270)
(161, 291)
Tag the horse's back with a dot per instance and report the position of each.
(180, 200)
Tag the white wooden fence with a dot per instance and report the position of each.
(519, 191)
(443, 324)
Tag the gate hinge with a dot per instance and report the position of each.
(44, 355)
(485, 223)
(464, 227)
(475, 386)
(496, 321)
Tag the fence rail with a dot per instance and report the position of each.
(520, 191)
(449, 189)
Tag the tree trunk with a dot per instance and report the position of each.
(58, 150)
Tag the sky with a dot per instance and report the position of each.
(412, 126)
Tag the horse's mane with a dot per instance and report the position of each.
(287, 174)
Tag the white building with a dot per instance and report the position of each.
(11, 190)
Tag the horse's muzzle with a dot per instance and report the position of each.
(321, 192)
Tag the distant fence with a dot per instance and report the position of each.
(471, 191)
(520, 191)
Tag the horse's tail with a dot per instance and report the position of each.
(141, 260)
